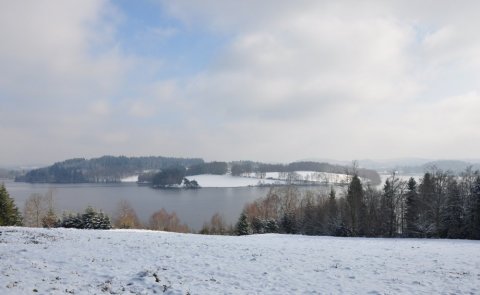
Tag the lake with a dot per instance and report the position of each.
(193, 207)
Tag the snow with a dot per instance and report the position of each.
(210, 180)
(255, 179)
(62, 261)
(133, 178)
(309, 176)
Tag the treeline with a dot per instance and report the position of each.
(243, 167)
(441, 205)
(39, 211)
(113, 169)
(103, 169)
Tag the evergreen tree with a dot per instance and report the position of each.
(412, 204)
(271, 226)
(388, 209)
(474, 211)
(289, 223)
(258, 225)
(242, 227)
(332, 213)
(9, 213)
(452, 221)
(356, 206)
(309, 219)
(425, 223)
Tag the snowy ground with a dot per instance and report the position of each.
(308, 176)
(67, 261)
(209, 180)
(255, 179)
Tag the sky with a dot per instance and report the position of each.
(273, 81)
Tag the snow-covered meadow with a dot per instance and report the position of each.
(259, 179)
(68, 261)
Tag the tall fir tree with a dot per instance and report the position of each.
(425, 222)
(474, 211)
(356, 206)
(411, 204)
(309, 219)
(452, 225)
(388, 209)
(9, 213)
(332, 213)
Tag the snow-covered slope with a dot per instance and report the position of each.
(63, 261)
(209, 180)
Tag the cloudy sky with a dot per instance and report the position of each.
(226, 80)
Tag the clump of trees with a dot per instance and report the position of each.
(9, 213)
(90, 219)
(441, 205)
(169, 177)
(216, 226)
(164, 221)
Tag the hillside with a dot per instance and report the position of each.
(115, 169)
(60, 261)
(103, 169)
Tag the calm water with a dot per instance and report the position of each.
(193, 207)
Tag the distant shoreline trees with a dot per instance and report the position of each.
(108, 169)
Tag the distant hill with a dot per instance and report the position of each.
(103, 169)
(113, 169)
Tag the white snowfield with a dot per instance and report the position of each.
(257, 179)
(68, 261)
(210, 180)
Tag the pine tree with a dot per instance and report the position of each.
(289, 223)
(332, 213)
(411, 203)
(309, 218)
(388, 209)
(258, 225)
(242, 227)
(271, 226)
(356, 206)
(9, 213)
(425, 222)
(452, 219)
(474, 211)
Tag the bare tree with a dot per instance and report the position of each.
(162, 220)
(39, 210)
(125, 216)
(33, 211)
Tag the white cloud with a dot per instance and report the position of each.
(343, 79)
(100, 107)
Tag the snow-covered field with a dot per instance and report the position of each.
(68, 261)
(209, 180)
(308, 176)
(256, 179)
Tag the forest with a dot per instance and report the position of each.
(113, 169)
(103, 169)
(440, 205)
